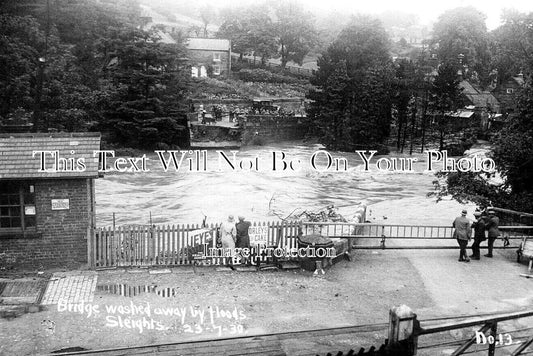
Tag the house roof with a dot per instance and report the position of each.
(17, 159)
(165, 38)
(478, 97)
(208, 44)
(463, 114)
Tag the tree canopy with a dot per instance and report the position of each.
(462, 32)
(352, 106)
(295, 32)
(512, 45)
(85, 65)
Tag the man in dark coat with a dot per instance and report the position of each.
(479, 234)
(243, 239)
(462, 232)
(493, 223)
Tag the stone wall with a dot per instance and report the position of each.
(61, 235)
(266, 128)
(274, 128)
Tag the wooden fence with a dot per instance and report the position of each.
(174, 245)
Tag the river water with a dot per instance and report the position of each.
(262, 193)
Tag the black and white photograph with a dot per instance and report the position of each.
(299, 177)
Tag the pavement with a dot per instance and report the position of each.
(72, 287)
(432, 282)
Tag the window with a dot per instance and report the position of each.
(510, 90)
(216, 70)
(216, 57)
(17, 207)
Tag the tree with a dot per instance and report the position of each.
(462, 31)
(250, 31)
(208, 15)
(445, 97)
(21, 45)
(147, 107)
(84, 64)
(294, 31)
(512, 45)
(351, 106)
(404, 99)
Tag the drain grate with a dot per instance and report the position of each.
(22, 292)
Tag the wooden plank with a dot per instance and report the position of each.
(135, 247)
(173, 246)
(164, 245)
(153, 240)
(126, 238)
(131, 246)
(168, 247)
(188, 244)
(97, 247)
(103, 248)
(181, 244)
(144, 245)
(160, 235)
(452, 325)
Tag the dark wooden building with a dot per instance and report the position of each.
(47, 205)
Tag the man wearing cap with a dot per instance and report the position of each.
(462, 232)
(493, 223)
(479, 234)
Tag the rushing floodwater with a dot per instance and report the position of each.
(186, 196)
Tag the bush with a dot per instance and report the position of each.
(262, 75)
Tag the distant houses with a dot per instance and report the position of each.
(489, 108)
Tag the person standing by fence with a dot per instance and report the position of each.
(493, 224)
(228, 232)
(479, 234)
(462, 232)
(243, 239)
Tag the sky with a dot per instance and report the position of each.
(427, 10)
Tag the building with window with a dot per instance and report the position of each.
(209, 57)
(47, 199)
(507, 94)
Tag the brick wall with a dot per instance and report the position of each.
(62, 241)
(203, 57)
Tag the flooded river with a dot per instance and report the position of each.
(262, 193)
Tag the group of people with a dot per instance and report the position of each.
(485, 226)
(235, 235)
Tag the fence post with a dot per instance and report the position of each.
(402, 334)
(493, 331)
